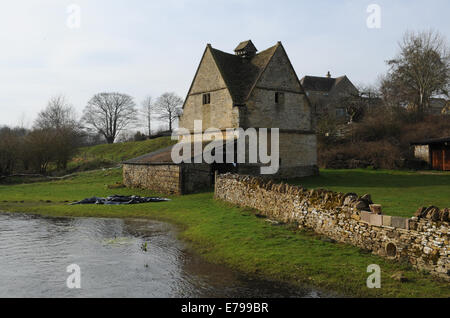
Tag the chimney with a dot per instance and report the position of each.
(328, 74)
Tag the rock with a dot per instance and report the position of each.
(376, 209)
(361, 205)
(367, 198)
(420, 212)
(445, 215)
(428, 213)
(349, 198)
(400, 277)
(436, 215)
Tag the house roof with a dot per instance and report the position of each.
(160, 156)
(241, 74)
(431, 141)
(316, 83)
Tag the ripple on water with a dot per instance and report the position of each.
(35, 253)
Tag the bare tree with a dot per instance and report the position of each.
(168, 107)
(147, 111)
(109, 114)
(10, 143)
(58, 114)
(420, 71)
(41, 148)
(59, 126)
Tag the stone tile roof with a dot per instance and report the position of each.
(164, 156)
(241, 74)
(160, 156)
(316, 83)
(431, 141)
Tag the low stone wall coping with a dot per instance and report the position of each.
(422, 240)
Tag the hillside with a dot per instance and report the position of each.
(107, 155)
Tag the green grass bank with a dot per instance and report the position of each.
(94, 157)
(225, 234)
(400, 193)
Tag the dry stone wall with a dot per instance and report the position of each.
(159, 178)
(422, 240)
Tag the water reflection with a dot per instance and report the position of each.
(118, 258)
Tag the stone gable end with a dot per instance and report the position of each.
(279, 73)
(208, 76)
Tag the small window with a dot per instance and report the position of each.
(206, 99)
(279, 98)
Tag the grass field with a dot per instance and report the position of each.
(229, 235)
(400, 193)
(89, 158)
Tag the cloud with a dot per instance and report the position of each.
(143, 47)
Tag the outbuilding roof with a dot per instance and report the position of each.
(431, 141)
(164, 156)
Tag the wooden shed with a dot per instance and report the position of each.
(434, 151)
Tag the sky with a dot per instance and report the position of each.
(148, 47)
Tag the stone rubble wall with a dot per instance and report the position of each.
(159, 178)
(423, 240)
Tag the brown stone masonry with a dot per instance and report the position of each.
(164, 178)
(422, 240)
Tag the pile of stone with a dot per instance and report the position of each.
(433, 213)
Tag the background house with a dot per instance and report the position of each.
(326, 94)
(436, 152)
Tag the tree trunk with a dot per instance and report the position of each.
(110, 140)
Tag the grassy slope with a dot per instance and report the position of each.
(401, 193)
(95, 156)
(234, 236)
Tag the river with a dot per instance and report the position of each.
(116, 258)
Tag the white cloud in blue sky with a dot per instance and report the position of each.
(145, 47)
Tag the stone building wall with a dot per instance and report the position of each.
(158, 178)
(294, 113)
(423, 240)
(168, 178)
(220, 113)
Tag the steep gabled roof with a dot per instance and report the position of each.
(240, 74)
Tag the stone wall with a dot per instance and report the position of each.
(422, 240)
(168, 178)
(158, 178)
